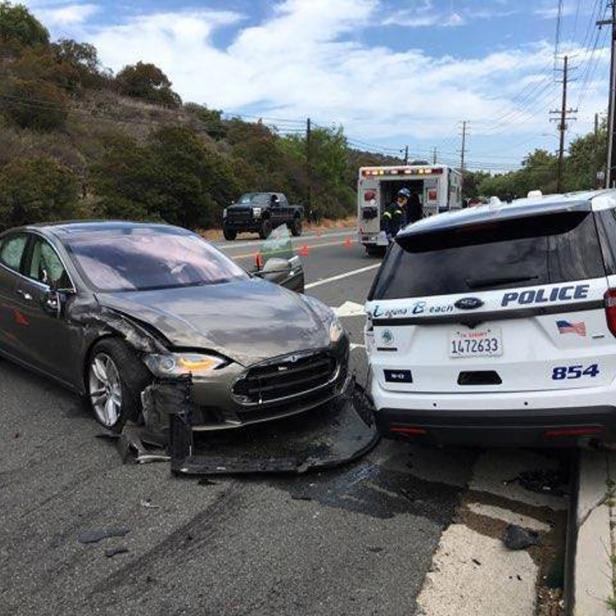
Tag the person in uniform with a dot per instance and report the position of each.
(396, 215)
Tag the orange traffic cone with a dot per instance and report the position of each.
(348, 243)
(304, 251)
(259, 260)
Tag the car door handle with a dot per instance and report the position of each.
(25, 295)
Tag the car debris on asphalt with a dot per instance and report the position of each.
(518, 538)
(98, 534)
(111, 552)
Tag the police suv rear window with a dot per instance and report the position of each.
(494, 255)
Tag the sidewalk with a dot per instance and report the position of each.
(595, 546)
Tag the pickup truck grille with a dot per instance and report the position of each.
(239, 215)
(287, 378)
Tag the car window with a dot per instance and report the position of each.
(529, 252)
(12, 251)
(607, 229)
(149, 258)
(46, 267)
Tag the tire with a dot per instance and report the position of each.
(113, 366)
(296, 227)
(266, 229)
(229, 234)
(374, 251)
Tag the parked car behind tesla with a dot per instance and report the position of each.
(106, 308)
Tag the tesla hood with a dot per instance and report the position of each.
(248, 321)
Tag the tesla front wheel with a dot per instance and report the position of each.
(115, 379)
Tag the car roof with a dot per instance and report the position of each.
(64, 228)
(497, 210)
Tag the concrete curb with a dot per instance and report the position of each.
(593, 570)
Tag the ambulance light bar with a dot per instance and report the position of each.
(403, 171)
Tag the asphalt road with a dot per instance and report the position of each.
(357, 540)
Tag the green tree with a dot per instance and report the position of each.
(538, 172)
(211, 119)
(332, 196)
(173, 177)
(472, 182)
(19, 28)
(36, 190)
(37, 105)
(80, 63)
(147, 82)
(587, 156)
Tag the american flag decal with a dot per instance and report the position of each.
(566, 327)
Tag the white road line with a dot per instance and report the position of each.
(257, 243)
(318, 283)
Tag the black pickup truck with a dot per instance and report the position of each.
(261, 212)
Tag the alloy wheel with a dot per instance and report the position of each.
(105, 388)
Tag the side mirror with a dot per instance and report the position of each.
(277, 266)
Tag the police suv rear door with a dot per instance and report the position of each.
(509, 301)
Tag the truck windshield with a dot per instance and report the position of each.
(257, 198)
(146, 258)
(538, 250)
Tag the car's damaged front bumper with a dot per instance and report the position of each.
(235, 396)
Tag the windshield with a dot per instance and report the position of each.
(514, 253)
(254, 198)
(143, 258)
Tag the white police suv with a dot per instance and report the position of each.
(497, 324)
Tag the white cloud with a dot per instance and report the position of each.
(58, 14)
(424, 15)
(309, 58)
(549, 9)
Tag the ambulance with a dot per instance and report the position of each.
(438, 187)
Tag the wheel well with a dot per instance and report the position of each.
(86, 360)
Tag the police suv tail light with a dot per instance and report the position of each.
(610, 310)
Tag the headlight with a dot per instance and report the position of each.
(256, 212)
(224, 213)
(335, 330)
(180, 364)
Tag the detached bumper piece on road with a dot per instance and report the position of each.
(531, 428)
(332, 434)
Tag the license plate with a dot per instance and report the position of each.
(475, 343)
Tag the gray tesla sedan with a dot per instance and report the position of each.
(113, 310)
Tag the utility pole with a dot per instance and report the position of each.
(610, 174)
(406, 154)
(465, 124)
(434, 156)
(595, 152)
(562, 124)
(309, 163)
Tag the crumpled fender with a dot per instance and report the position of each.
(100, 321)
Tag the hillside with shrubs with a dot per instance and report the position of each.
(78, 141)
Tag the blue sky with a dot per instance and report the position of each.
(392, 72)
